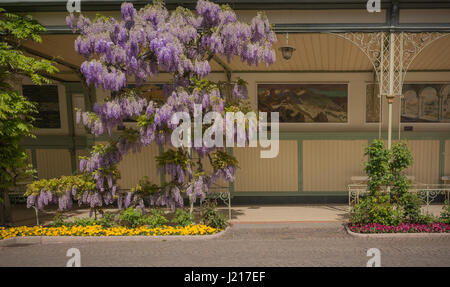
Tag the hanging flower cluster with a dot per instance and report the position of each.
(137, 47)
(66, 190)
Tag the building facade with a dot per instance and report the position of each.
(327, 94)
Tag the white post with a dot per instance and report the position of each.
(391, 86)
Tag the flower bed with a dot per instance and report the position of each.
(436, 227)
(98, 230)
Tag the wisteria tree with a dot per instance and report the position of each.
(135, 49)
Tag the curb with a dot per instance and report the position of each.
(395, 235)
(29, 240)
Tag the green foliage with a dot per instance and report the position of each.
(177, 157)
(133, 217)
(84, 221)
(221, 159)
(375, 208)
(16, 111)
(212, 217)
(106, 221)
(130, 217)
(145, 187)
(81, 182)
(59, 220)
(410, 206)
(377, 167)
(385, 169)
(445, 213)
(156, 218)
(183, 217)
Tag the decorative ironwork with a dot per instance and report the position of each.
(224, 196)
(427, 192)
(391, 54)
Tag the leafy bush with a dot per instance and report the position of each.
(410, 206)
(183, 217)
(375, 208)
(59, 220)
(130, 217)
(156, 218)
(212, 217)
(84, 221)
(134, 217)
(385, 168)
(107, 220)
(445, 214)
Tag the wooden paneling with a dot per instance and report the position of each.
(53, 162)
(329, 164)
(136, 165)
(425, 168)
(447, 158)
(270, 174)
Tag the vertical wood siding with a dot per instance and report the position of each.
(136, 165)
(53, 162)
(329, 164)
(270, 174)
(426, 161)
(447, 158)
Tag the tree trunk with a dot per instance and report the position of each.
(5, 208)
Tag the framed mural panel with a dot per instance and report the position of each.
(305, 103)
(421, 103)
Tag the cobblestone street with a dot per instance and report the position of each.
(289, 244)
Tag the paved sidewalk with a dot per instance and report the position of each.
(289, 213)
(239, 214)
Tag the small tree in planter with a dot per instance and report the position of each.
(389, 201)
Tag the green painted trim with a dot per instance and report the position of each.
(55, 142)
(231, 184)
(162, 175)
(71, 127)
(34, 158)
(441, 159)
(278, 193)
(84, 141)
(300, 164)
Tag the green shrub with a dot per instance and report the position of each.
(375, 208)
(410, 205)
(183, 217)
(59, 220)
(130, 217)
(156, 218)
(426, 219)
(445, 213)
(84, 221)
(212, 217)
(107, 220)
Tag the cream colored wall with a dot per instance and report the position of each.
(276, 174)
(136, 165)
(329, 164)
(53, 162)
(425, 168)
